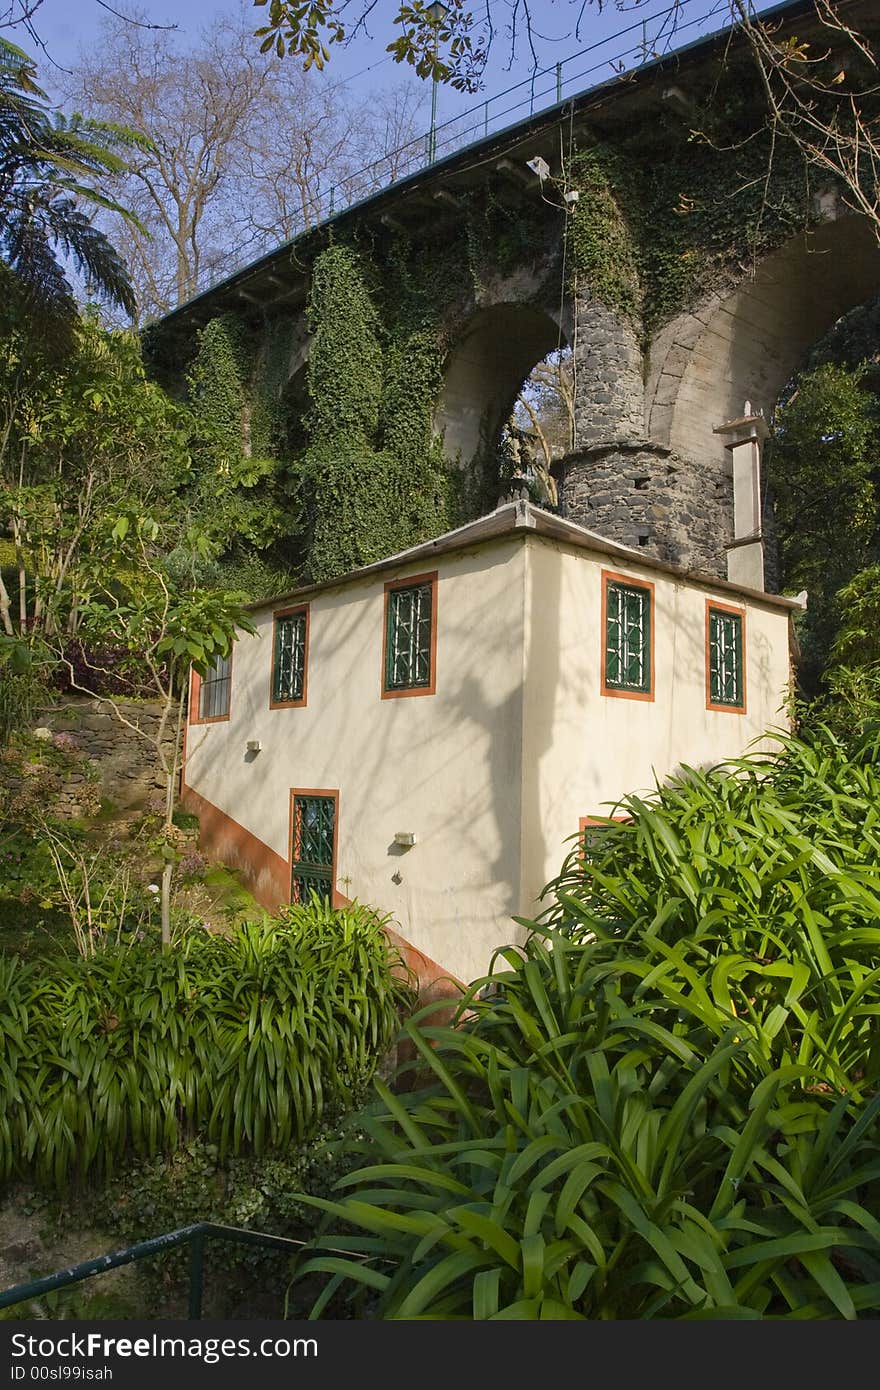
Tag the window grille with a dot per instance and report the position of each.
(408, 637)
(314, 823)
(725, 658)
(214, 689)
(628, 638)
(289, 666)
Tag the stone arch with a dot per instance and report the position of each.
(745, 343)
(495, 352)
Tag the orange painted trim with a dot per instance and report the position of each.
(290, 613)
(336, 898)
(224, 838)
(611, 577)
(195, 692)
(741, 613)
(269, 877)
(409, 583)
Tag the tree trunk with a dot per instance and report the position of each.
(167, 871)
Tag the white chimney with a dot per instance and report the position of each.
(745, 553)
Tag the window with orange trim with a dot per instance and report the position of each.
(290, 655)
(210, 694)
(725, 657)
(410, 650)
(628, 637)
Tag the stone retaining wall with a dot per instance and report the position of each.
(121, 765)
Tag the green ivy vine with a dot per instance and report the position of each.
(375, 477)
(668, 204)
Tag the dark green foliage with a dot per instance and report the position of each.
(850, 700)
(345, 368)
(194, 1184)
(667, 1105)
(822, 470)
(345, 362)
(368, 503)
(268, 423)
(499, 238)
(371, 491)
(243, 496)
(605, 255)
(248, 1041)
(218, 381)
(413, 378)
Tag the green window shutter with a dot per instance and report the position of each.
(408, 638)
(214, 689)
(628, 638)
(314, 821)
(725, 658)
(289, 664)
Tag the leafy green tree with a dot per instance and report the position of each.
(159, 628)
(852, 675)
(823, 473)
(45, 161)
(81, 437)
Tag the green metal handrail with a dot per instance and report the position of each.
(194, 1236)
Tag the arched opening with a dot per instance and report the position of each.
(485, 371)
(540, 429)
(747, 343)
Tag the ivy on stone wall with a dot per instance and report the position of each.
(710, 210)
(218, 382)
(500, 237)
(673, 202)
(345, 362)
(375, 478)
(269, 371)
(242, 499)
(605, 255)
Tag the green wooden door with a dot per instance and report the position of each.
(314, 824)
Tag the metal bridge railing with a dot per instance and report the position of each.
(196, 1237)
(543, 89)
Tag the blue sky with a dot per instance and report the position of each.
(364, 65)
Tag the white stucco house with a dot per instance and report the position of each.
(426, 734)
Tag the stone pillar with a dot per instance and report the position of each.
(609, 389)
(622, 485)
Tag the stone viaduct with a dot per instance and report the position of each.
(655, 372)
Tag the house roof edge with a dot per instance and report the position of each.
(524, 519)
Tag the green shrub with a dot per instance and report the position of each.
(248, 1041)
(667, 1105)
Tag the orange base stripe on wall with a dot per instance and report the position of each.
(267, 875)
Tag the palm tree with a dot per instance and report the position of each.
(44, 160)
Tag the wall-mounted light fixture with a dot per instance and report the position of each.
(254, 745)
(405, 838)
(538, 166)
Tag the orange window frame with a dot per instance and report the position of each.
(195, 695)
(332, 794)
(412, 581)
(713, 605)
(612, 577)
(301, 703)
